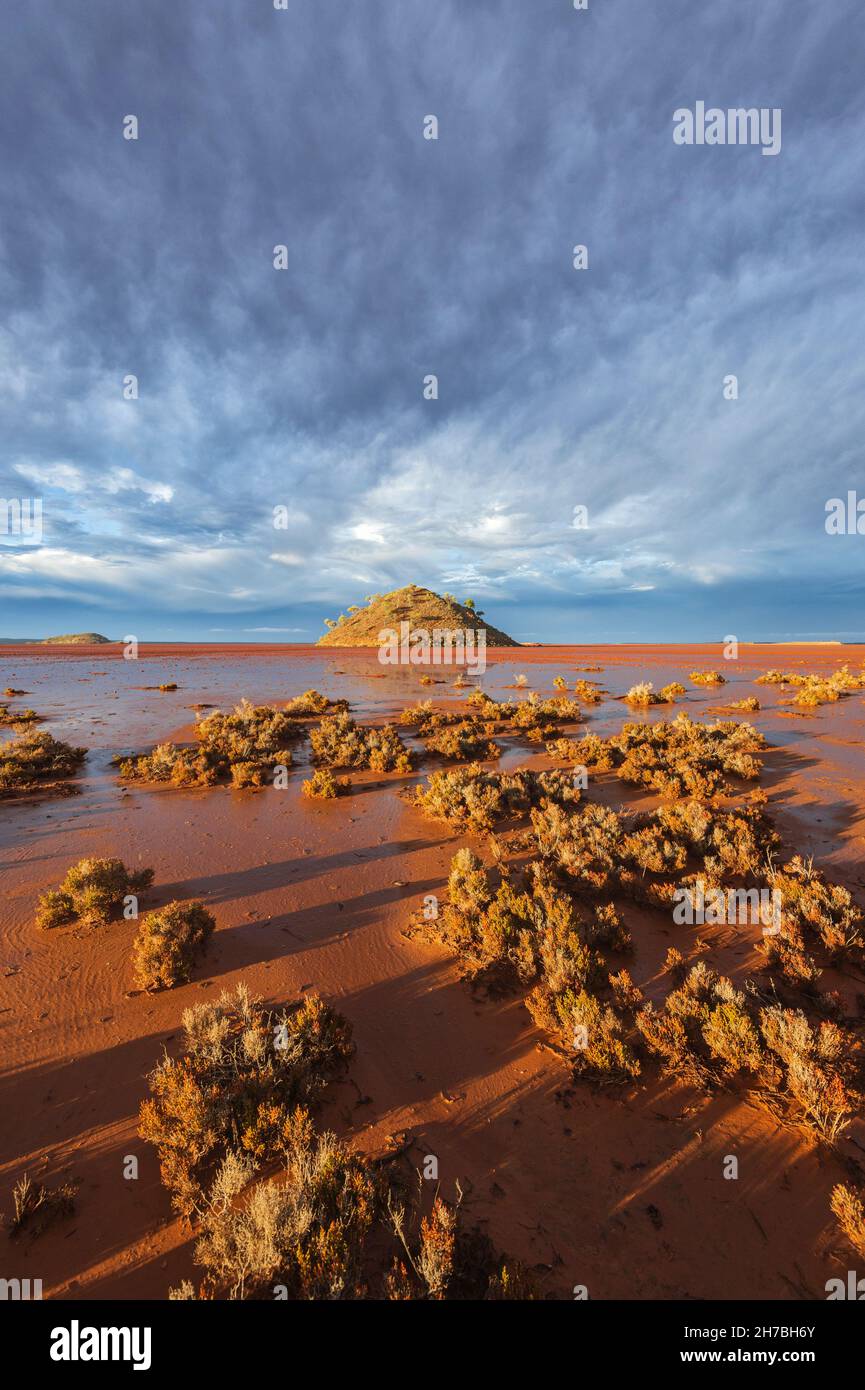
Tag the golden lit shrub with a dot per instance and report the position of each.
(92, 893)
(167, 944)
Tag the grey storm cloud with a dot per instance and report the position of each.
(303, 388)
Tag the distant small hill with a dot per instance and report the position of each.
(75, 639)
(422, 608)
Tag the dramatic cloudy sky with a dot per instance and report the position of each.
(303, 388)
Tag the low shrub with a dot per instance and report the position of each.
(340, 742)
(826, 910)
(242, 1072)
(849, 1212)
(472, 796)
(707, 678)
(679, 757)
(92, 893)
(36, 1207)
(311, 702)
(324, 786)
(19, 718)
(243, 746)
(465, 741)
(167, 944)
(37, 762)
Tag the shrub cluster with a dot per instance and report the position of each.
(242, 746)
(19, 719)
(323, 786)
(92, 893)
(709, 1030)
(236, 1085)
(311, 702)
(644, 695)
(465, 741)
(813, 690)
(677, 757)
(708, 678)
(37, 762)
(340, 742)
(536, 935)
(472, 796)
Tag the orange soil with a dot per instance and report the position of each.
(623, 1193)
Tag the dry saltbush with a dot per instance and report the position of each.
(677, 758)
(708, 1030)
(19, 719)
(704, 1030)
(92, 893)
(332, 1226)
(466, 741)
(628, 996)
(750, 703)
(244, 746)
(825, 909)
(816, 690)
(484, 707)
(242, 1071)
(708, 678)
(822, 690)
(311, 702)
(340, 742)
(473, 796)
(587, 692)
(306, 1230)
(540, 715)
(644, 695)
(36, 1207)
(822, 1065)
(167, 944)
(849, 1212)
(590, 1027)
(324, 786)
(37, 762)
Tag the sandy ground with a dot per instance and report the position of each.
(624, 1194)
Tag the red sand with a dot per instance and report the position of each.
(623, 1194)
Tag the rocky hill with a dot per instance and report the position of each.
(422, 608)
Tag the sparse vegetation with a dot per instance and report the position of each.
(813, 690)
(473, 796)
(707, 678)
(311, 702)
(19, 718)
(38, 762)
(643, 695)
(340, 742)
(467, 740)
(849, 1212)
(236, 1085)
(708, 1030)
(36, 1207)
(93, 892)
(676, 758)
(323, 786)
(167, 944)
(243, 746)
